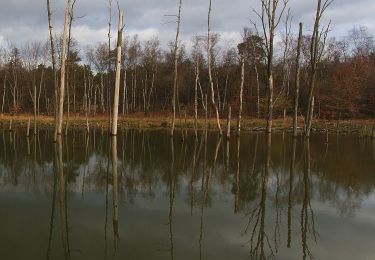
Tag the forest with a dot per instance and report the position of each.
(236, 74)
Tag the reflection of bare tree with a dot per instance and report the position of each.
(55, 163)
(258, 237)
(194, 171)
(237, 192)
(307, 214)
(115, 193)
(85, 169)
(227, 157)
(255, 155)
(106, 193)
(63, 206)
(171, 196)
(290, 195)
(205, 186)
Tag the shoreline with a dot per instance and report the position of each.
(361, 127)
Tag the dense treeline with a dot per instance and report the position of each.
(345, 79)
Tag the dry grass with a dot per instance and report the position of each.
(157, 121)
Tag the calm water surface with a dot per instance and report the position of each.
(146, 196)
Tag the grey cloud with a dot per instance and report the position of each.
(23, 20)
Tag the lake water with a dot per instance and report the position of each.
(186, 198)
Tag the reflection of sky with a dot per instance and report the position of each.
(344, 219)
(144, 229)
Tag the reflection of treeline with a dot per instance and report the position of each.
(144, 165)
(332, 179)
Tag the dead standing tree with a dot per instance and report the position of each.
(287, 61)
(53, 58)
(32, 58)
(174, 94)
(270, 19)
(109, 65)
(297, 82)
(58, 130)
(116, 94)
(318, 42)
(242, 59)
(209, 61)
(197, 60)
(71, 19)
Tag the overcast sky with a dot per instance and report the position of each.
(26, 20)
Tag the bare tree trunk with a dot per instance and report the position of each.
(86, 101)
(95, 98)
(316, 51)
(109, 66)
(229, 121)
(270, 19)
(144, 93)
(258, 90)
(71, 18)
(218, 91)
(225, 102)
(297, 82)
(241, 96)
(91, 86)
(67, 102)
(62, 75)
(116, 94)
(124, 96)
(40, 90)
(35, 107)
(206, 111)
(175, 69)
(74, 92)
(196, 93)
(209, 61)
(270, 90)
(4, 92)
(102, 93)
(151, 90)
(135, 89)
(52, 45)
(202, 96)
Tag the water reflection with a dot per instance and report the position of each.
(188, 197)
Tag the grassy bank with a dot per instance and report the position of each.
(361, 127)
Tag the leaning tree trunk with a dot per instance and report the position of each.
(297, 82)
(116, 93)
(209, 61)
(62, 74)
